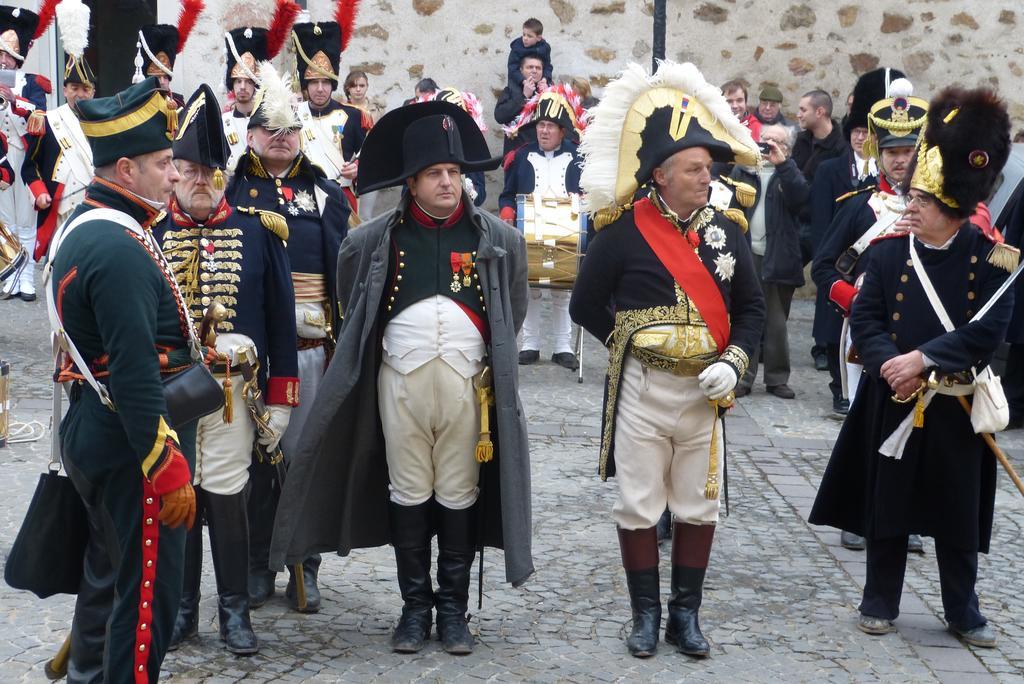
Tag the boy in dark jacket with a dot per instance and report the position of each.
(530, 44)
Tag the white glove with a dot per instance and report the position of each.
(717, 380)
(279, 417)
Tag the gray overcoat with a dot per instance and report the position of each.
(335, 497)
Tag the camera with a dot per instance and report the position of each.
(764, 147)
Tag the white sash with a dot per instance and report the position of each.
(74, 168)
(318, 145)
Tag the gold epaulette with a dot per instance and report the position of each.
(37, 122)
(738, 217)
(602, 217)
(271, 220)
(1004, 256)
(746, 194)
(854, 193)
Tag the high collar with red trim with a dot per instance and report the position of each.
(427, 221)
(183, 220)
(885, 186)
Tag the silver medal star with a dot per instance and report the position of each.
(725, 265)
(305, 201)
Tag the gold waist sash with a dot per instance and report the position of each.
(309, 287)
(678, 348)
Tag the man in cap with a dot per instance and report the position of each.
(21, 114)
(835, 178)
(907, 459)
(669, 284)
(332, 133)
(234, 256)
(398, 443)
(549, 167)
(58, 166)
(274, 175)
(893, 123)
(118, 305)
(769, 107)
(245, 47)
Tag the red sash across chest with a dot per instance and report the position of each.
(681, 260)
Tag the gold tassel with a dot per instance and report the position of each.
(746, 194)
(37, 123)
(711, 486)
(485, 447)
(602, 217)
(1004, 256)
(172, 118)
(919, 411)
(218, 180)
(229, 411)
(736, 216)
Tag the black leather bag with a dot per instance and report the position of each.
(192, 394)
(48, 554)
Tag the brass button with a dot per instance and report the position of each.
(145, 604)
(389, 308)
(149, 501)
(149, 521)
(149, 542)
(893, 336)
(401, 253)
(149, 564)
(910, 263)
(904, 278)
(142, 647)
(392, 299)
(401, 264)
(147, 584)
(254, 193)
(142, 668)
(896, 316)
(899, 296)
(205, 289)
(974, 259)
(970, 276)
(143, 626)
(205, 301)
(399, 277)
(277, 182)
(971, 295)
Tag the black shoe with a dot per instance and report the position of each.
(782, 391)
(566, 360)
(841, 406)
(229, 546)
(310, 566)
(261, 587)
(682, 629)
(982, 637)
(820, 362)
(455, 554)
(854, 542)
(914, 544)
(186, 624)
(28, 296)
(528, 356)
(411, 529)
(875, 626)
(741, 391)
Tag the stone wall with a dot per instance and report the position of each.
(796, 45)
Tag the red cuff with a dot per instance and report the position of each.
(283, 391)
(17, 109)
(841, 294)
(173, 472)
(508, 214)
(38, 187)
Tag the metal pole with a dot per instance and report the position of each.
(659, 34)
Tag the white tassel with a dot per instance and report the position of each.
(138, 77)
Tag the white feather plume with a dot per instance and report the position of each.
(276, 100)
(901, 87)
(73, 20)
(601, 143)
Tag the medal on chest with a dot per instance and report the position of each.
(462, 269)
(208, 251)
(296, 202)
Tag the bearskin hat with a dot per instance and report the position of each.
(870, 88)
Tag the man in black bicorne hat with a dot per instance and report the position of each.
(396, 447)
(234, 256)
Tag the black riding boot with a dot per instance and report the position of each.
(411, 530)
(456, 532)
(640, 559)
(186, 625)
(263, 492)
(310, 574)
(691, 548)
(229, 542)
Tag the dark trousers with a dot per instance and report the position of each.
(120, 590)
(774, 346)
(835, 380)
(958, 572)
(1013, 380)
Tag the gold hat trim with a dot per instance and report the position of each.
(928, 176)
(245, 67)
(551, 104)
(9, 43)
(75, 64)
(899, 125)
(163, 59)
(319, 67)
(156, 104)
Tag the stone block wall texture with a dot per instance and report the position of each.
(795, 45)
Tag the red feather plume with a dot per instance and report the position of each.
(345, 15)
(47, 12)
(285, 14)
(190, 11)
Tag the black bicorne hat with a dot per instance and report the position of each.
(201, 137)
(658, 142)
(317, 51)
(245, 48)
(409, 139)
(17, 26)
(870, 88)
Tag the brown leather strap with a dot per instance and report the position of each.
(691, 545)
(639, 548)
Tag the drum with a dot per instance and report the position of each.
(12, 255)
(556, 238)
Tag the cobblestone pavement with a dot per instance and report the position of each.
(781, 594)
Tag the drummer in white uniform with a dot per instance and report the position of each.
(549, 168)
